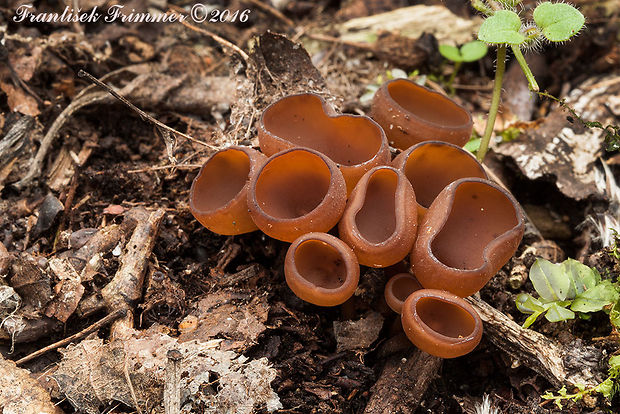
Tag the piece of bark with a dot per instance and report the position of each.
(561, 365)
(403, 382)
(126, 287)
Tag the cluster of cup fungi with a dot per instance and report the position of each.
(317, 169)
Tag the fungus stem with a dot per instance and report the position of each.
(497, 91)
(525, 68)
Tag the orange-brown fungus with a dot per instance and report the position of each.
(218, 197)
(469, 232)
(380, 220)
(321, 269)
(432, 165)
(398, 289)
(356, 143)
(296, 191)
(410, 113)
(441, 323)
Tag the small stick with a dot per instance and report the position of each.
(274, 12)
(92, 328)
(163, 129)
(172, 390)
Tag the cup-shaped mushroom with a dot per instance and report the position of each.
(380, 220)
(321, 269)
(410, 113)
(356, 143)
(297, 191)
(430, 166)
(440, 323)
(398, 289)
(218, 197)
(468, 233)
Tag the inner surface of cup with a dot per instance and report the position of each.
(479, 214)
(445, 318)
(301, 120)
(432, 166)
(321, 264)
(293, 184)
(220, 180)
(427, 105)
(404, 286)
(376, 220)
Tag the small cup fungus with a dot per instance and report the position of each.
(356, 143)
(440, 323)
(469, 232)
(380, 220)
(321, 269)
(218, 197)
(432, 165)
(296, 191)
(410, 113)
(398, 289)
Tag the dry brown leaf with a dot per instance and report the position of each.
(19, 100)
(22, 394)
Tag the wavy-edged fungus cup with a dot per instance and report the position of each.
(218, 197)
(410, 113)
(430, 166)
(321, 269)
(356, 143)
(398, 289)
(380, 220)
(440, 323)
(469, 232)
(297, 191)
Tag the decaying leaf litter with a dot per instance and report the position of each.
(95, 217)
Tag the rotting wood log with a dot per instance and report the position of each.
(572, 365)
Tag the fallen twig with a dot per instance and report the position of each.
(274, 12)
(84, 332)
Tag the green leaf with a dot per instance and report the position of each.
(526, 303)
(558, 21)
(451, 53)
(606, 388)
(473, 51)
(473, 144)
(502, 28)
(557, 313)
(582, 277)
(549, 280)
(596, 298)
(614, 315)
(531, 319)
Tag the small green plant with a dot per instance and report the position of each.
(469, 52)
(608, 388)
(503, 27)
(566, 289)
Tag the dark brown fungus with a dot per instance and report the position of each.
(398, 289)
(432, 165)
(296, 191)
(469, 232)
(410, 113)
(218, 197)
(321, 269)
(380, 220)
(440, 323)
(356, 143)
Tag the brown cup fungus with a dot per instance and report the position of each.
(380, 220)
(297, 191)
(321, 269)
(410, 113)
(355, 143)
(398, 289)
(430, 166)
(218, 197)
(440, 323)
(469, 232)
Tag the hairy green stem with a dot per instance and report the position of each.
(497, 92)
(525, 68)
